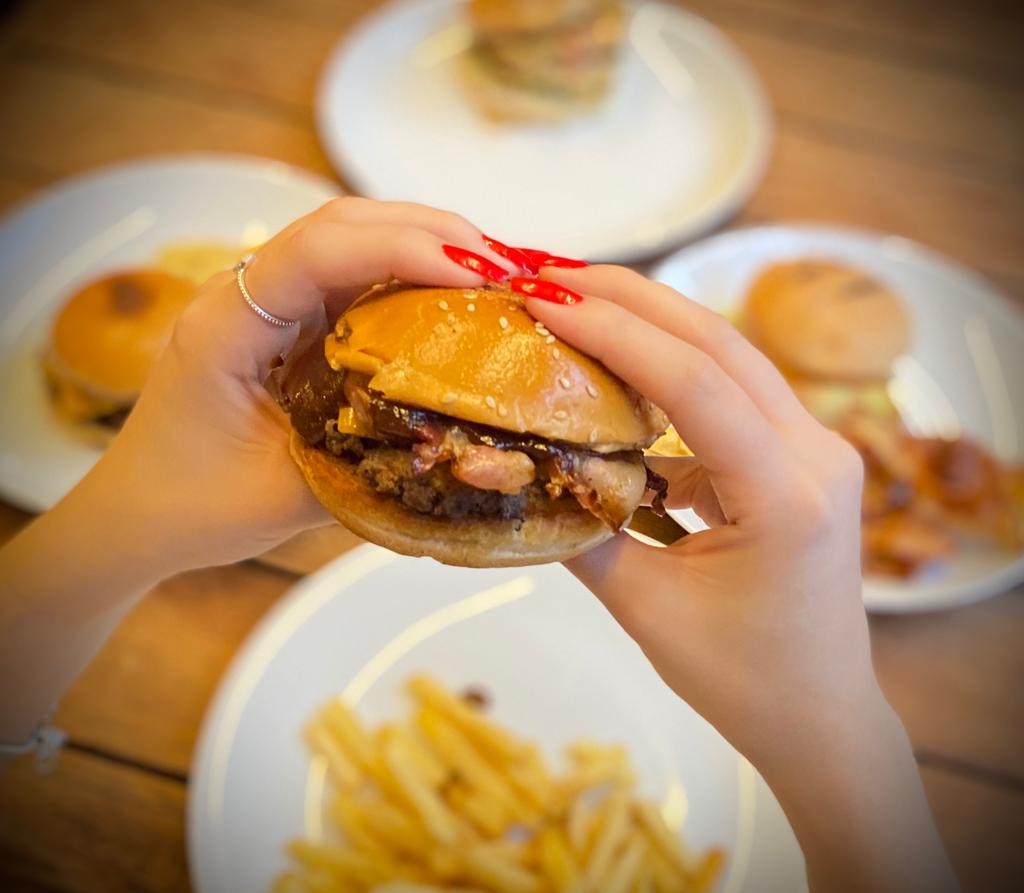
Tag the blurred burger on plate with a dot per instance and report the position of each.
(448, 423)
(542, 60)
(838, 333)
(103, 343)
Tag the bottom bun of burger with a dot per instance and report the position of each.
(558, 534)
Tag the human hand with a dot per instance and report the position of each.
(202, 462)
(758, 622)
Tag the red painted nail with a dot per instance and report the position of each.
(568, 262)
(536, 256)
(513, 254)
(476, 263)
(546, 291)
(546, 259)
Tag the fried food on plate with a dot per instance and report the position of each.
(835, 332)
(448, 800)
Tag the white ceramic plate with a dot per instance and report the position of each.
(680, 144)
(556, 664)
(85, 226)
(965, 370)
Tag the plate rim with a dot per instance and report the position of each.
(881, 599)
(200, 765)
(741, 185)
(234, 161)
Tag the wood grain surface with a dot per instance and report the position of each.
(897, 115)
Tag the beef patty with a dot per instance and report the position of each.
(438, 492)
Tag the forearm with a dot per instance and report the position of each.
(65, 583)
(858, 808)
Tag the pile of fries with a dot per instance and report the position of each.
(452, 802)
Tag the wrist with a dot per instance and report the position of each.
(851, 790)
(827, 730)
(111, 524)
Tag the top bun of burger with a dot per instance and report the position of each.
(105, 338)
(823, 320)
(476, 354)
(448, 423)
(490, 17)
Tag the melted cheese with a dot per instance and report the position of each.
(341, 356)
(350, 423)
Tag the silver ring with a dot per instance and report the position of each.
(240, 269)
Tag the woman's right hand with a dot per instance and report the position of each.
(758, 622)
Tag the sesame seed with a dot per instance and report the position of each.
(541, 330)
(592, 437)
(511, 306)
(565, 383)
(503, 322)
(502, 411)
(561, 415)
(537, 324)
(591, 390)
(490, 401)
(469, 295)
(443, 305)
(556, 353)
(550, 339)
(471, 307)
(450, 397)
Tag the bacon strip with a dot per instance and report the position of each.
(488, 468)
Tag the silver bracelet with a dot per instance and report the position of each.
(46, 742)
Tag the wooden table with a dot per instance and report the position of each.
(903, 116)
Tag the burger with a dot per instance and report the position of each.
(448, 423)
(821, 321)
(103, 343)
(541, 60)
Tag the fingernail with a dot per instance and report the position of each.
(569, 262)
(546, 259)
(546, 291)
(512, 254)
(476, 263)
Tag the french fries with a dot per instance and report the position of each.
(452, 802)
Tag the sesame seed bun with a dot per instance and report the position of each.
(477, 355)
(515, 16)
(106, 337)
(469, 542)
(824, 320)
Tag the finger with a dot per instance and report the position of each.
(453, 228)
(689, 487)
(291, 277)
(698, 325)
(715, 417)
(611, 572)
